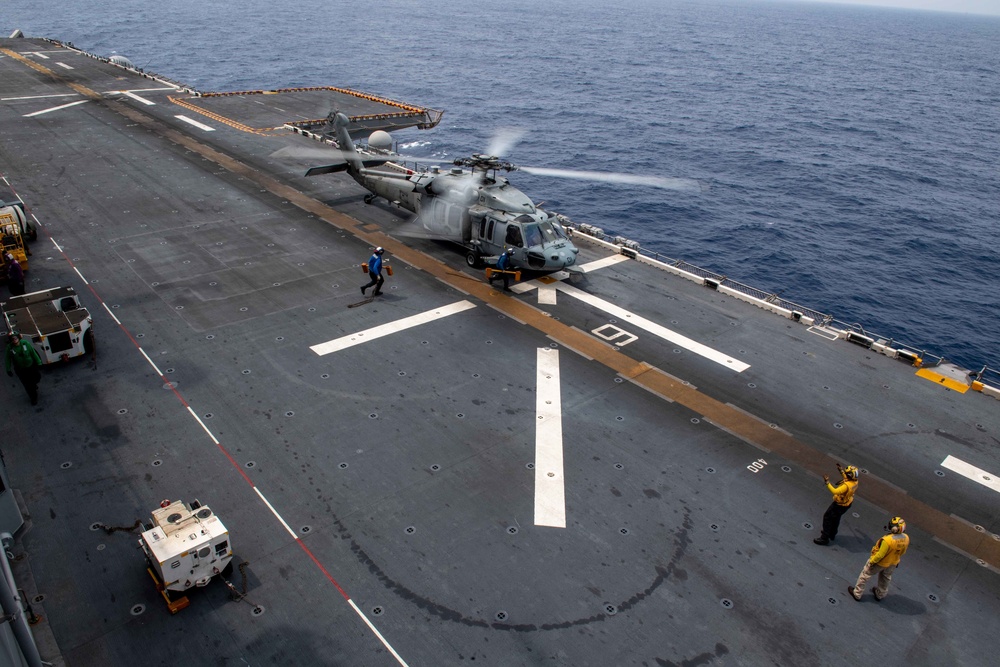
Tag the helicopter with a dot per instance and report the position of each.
(477, 208)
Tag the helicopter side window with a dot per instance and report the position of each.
(514, 236)
(532, 235)
(482, 228)
(489, 232)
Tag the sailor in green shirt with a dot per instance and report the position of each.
(21, 356)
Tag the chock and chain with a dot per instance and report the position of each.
(114, 529)
(238, 595)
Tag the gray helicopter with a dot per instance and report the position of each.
(478, 208)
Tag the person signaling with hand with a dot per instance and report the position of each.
(843, 496)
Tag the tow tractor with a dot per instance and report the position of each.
(186, 546)
(13, 229)
(55, 322)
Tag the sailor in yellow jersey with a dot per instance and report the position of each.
(885, 557)
(843, 496)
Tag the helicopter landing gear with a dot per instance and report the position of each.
(369, 198)
(473, 259)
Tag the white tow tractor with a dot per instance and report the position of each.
(55, 322)
(186, 546)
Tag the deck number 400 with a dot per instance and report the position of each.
(757, 465)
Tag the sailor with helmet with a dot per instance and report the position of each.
(843, 496)
(375, 272)
(503, 268)
(884, 560)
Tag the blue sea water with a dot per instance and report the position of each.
(851, 153)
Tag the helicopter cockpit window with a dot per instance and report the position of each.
(514, 236)
(532, 235)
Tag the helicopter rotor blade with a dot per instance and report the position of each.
(504, 140)
(681, 184)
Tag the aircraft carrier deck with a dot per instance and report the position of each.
(618, 466)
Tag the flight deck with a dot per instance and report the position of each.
(611, 465)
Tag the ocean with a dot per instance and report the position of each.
(849, 154)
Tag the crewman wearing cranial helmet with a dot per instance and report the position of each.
(843, 496)
(375, 272)
(884, 560)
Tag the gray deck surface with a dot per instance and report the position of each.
(402, 466)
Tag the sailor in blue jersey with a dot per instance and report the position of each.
(375, 272)
(503, 264)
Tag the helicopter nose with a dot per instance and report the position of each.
(564, 258)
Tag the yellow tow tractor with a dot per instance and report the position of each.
(12, 230)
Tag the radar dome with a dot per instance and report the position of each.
(122, 61)
(380, 140)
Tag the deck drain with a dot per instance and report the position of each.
(838, 425)
(751, 385)
(833, 601)
(289, 414)
(863, 471)
(932, 597)
(373, 415)
(244, 309)
(257, 610)
(529, 466)
(501, 615)
(553, 345)
(618, 380)
(342, 466)
(100, 547)
(156, 463)
(377, 611)
(807, 526)
(210, 337)
(138, 335)
(619, 466)
(619, 418)
(610, 609)
(435, 467)
(786, 469)
(623, 531)
(489, 342)
(512, 530)
(279, 338)
(409, 530)
(695, 420)
(979, 529)
(772, 425)
(855, 515)
(424, 342)
(246, 371)
(677, 350)
(980, 562)
(123, 411)
(476, 375)
(727, 603)
(38, 599)
(461, 415)
(305, 530)
(208, 415)
(96, 525)
(714, 527)
(312, 310)
(137, 609)
(250, 464)
(169, 370)
(67, 464)
(401, 373)
(325, 376)
(710, 470)
(911, 426)
(939, 473)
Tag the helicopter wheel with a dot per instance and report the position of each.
(473, 259)
(369, 199)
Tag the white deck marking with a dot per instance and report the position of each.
(62, 106)
(38, 97)
(137, 98)
(989, 480)
(655, 329)
(378, 634)
(344, 342)
(550, 485)
(275, 513)
(192, 121)
(39, 54)
(602, 263)
(65, 66)
(547, 295)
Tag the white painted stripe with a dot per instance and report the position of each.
(137, 98)
(275, 513)
(56, 245)
(655, 329)
(81, 276)
(378, 634)
(65, 66)
(200, 126)
(197, 419)
(38, 97)
(987, 479)
(40, 55)
(137, 90)
(602, 263)
(550, 484)
(37, 221)
(63, 106)
(547, 295)
(111, 314)
(368, 335)
(158, 372)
